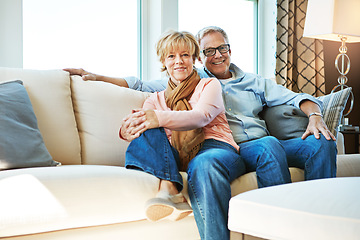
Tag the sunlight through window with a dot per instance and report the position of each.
(99, 36)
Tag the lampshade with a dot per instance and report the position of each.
(327, 19)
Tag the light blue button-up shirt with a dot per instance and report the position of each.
(244, 98)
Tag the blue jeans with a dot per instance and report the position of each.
(210, 173)
(316, 156)
(270, 158)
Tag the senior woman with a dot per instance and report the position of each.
(184, 128)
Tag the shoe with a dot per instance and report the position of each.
(166, 206)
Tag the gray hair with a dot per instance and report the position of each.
(206, 30)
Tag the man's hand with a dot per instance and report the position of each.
(84, 74)
(316, 126)
(121, 82)
(138, 122)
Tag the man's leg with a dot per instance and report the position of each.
(267, 157)
(316, 156)
(209, 176)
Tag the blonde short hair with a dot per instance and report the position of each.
(173, 40)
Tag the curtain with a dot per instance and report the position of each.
(299, 61)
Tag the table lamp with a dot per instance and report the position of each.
(336, 20)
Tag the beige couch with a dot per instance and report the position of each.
(91, 195)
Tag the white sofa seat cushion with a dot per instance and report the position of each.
(320, 209)
(53, 198)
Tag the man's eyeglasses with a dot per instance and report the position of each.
(224, 48)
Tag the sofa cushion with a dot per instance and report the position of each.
(248, 181)
(21, 143)
(286, 122)
(333, 107)
(99, 110)
(50, 96)
(47, 199)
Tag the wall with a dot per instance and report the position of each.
(157, 16)
(11, 33)
(266, 30)
(331, 49)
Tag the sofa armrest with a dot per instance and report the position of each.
(340, 143)
(348, 165)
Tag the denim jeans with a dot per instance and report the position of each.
(316, 156)
(270, 158)
(153, 153)
(210, 173)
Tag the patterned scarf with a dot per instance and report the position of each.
(188, 143)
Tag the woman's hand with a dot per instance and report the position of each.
(138, 122)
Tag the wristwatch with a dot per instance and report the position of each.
(315, 113)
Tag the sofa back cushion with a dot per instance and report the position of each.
(21, 143)
(99, 110)
(50, 95)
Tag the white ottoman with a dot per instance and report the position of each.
(319, 209)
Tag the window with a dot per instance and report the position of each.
(104, 36)
(236, 17)
(100, 36)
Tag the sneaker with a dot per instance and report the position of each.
(166, 206)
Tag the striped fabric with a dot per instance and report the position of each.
(333, 107)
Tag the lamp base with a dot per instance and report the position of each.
(348, 128)
(342, 80)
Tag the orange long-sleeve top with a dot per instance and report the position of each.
(207, 112)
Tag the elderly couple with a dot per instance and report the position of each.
(205, 122)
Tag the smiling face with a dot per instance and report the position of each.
(219, 63)
(177, 52)
(179, 64)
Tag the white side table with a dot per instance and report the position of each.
(326, 209)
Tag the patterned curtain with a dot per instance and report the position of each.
(299, 61)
